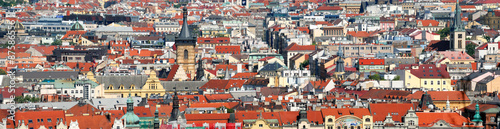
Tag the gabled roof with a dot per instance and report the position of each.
(455, 55)
(296, 47)
(430, 71)
(90, 122)
(428, 22)
(397, 110)
(80, 110)
(338, 112)
(427, 119)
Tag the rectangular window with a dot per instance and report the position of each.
(49, 120)
(30, 121)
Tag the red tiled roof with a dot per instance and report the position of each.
(441, 95)
(211, 97)
(35, 115)
(73, 34)
(428, 22)
(91, 122)
(371, 62)
(397, 110)
(427, 119)
(228, 49)
(172, 72)
(45, 50)
(207, 118)
(229, 105)
(19, 91)
(84, 66)
(244, 75)
(430, 71)
(78, 110)
(338, 112)
(295, 47)
(252, 115)
(384, 94)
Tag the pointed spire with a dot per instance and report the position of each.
(185, 29)
(477, 116)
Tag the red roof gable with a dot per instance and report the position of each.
(428, 22)
(397, 110)
(427, 119)
(34, 116)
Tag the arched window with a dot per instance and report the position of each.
(330, 120)
(186, 54)
(367, 120)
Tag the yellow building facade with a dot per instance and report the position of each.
(151, 87)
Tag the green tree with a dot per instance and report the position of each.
(220, 35)
(304, 64)
(396, 78)
(487, 38)
(443, 33)
(19, 99)
(470, 49)
(376, 77)
(2, 72)
(56, 42)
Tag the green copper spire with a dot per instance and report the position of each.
(477, 116)
(457, 23)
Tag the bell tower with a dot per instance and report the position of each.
(457, 37)
(185, 44)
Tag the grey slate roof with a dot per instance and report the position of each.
(180, 85)
(55, 105)
(48, 75)
(110, 103)
(126, 81)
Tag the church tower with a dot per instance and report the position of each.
(185, 44)
(457, 37)
(339, 68)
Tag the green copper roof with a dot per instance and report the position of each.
(77, 26)
(477, 116)
(67, 84)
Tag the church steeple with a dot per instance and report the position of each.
(175, 108)
(185, 34)
(340, 61)
(457, 35)
(457, 23)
